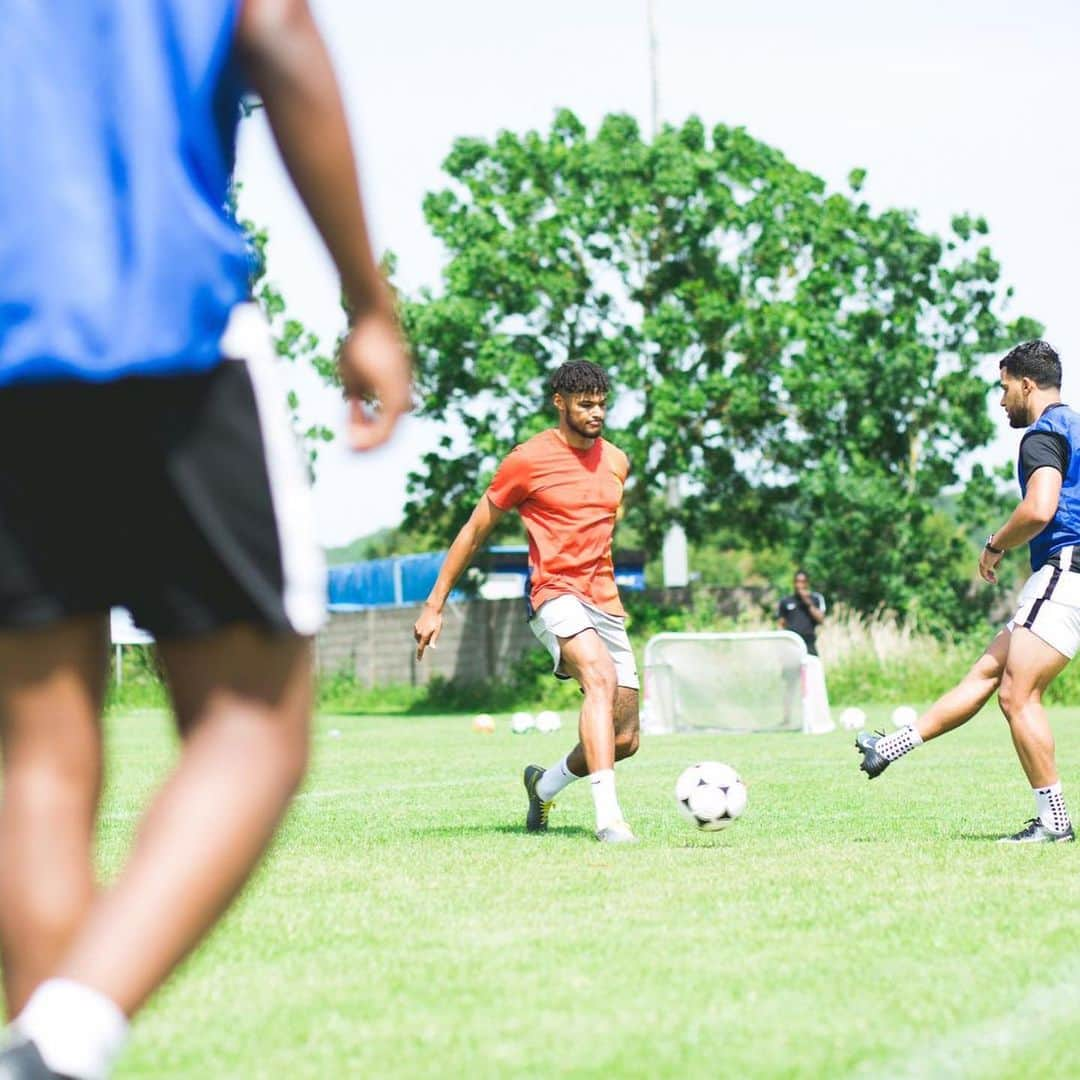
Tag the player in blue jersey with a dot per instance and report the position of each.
(1044, 634)
(146, 461)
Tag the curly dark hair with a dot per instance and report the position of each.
(580, 377)
(1035, 360)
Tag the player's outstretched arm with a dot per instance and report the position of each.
(462, 551)
(288, 65)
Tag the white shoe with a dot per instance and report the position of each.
(618, 832)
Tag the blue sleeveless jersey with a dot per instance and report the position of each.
(117, 134)
(1064, 528)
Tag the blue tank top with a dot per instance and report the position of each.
(117, 135)
(1063, 528)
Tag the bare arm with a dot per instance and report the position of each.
(288, 65)
(462, 551)
(1031, 516)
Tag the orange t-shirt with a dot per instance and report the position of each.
(568, 500)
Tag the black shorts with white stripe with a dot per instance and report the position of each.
(171, 496)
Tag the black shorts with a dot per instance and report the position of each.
(182, 498)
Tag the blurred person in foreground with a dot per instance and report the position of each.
(128, 347)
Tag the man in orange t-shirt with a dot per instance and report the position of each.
(567, 484)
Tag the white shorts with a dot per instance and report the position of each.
(1050, 607)
(566, 616)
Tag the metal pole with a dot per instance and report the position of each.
(675, 558)
(654, 80)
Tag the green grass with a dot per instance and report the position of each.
(405, 926)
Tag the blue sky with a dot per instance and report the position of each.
(950, 106)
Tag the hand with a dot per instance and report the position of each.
(988, 562)
(427, 630)
(375, 364)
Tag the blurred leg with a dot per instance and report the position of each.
(243, 702)
(51, 688)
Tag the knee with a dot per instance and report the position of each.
(1008, 699)
(988, 672)
(48, 788)
(598, 679)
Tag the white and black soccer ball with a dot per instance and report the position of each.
(711, 795)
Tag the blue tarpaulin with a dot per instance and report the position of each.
(402, 579)
(407, 579)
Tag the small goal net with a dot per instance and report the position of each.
(746, 682)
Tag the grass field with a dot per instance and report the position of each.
(405, 926)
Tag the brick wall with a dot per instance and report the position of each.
(480, 640)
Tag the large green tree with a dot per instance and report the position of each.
(806, 366)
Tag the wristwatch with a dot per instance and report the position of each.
(989, 545)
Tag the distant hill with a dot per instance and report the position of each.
(374, 546)
(378, 545)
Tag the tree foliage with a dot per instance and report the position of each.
(805, 366)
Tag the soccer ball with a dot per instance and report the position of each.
(548, 721)
(903, 716)
(711, 795)
(484, 723)
(521, 722)
(853, 719)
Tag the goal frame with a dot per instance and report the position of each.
(813, 696)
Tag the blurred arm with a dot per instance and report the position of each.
(286, 60)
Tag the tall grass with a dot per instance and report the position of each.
(883, 659)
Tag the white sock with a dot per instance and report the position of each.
(1050, 807)
(78, 1030)
(898, 743)
(606, 801)
(554, 780)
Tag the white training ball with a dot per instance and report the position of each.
(548, 721)
(334, 733)
(853, 719)
(484, 723)
(711, 795)
(521, 722)
(904, 716)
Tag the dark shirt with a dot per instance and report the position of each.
(1044, 448)
(796, 615)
